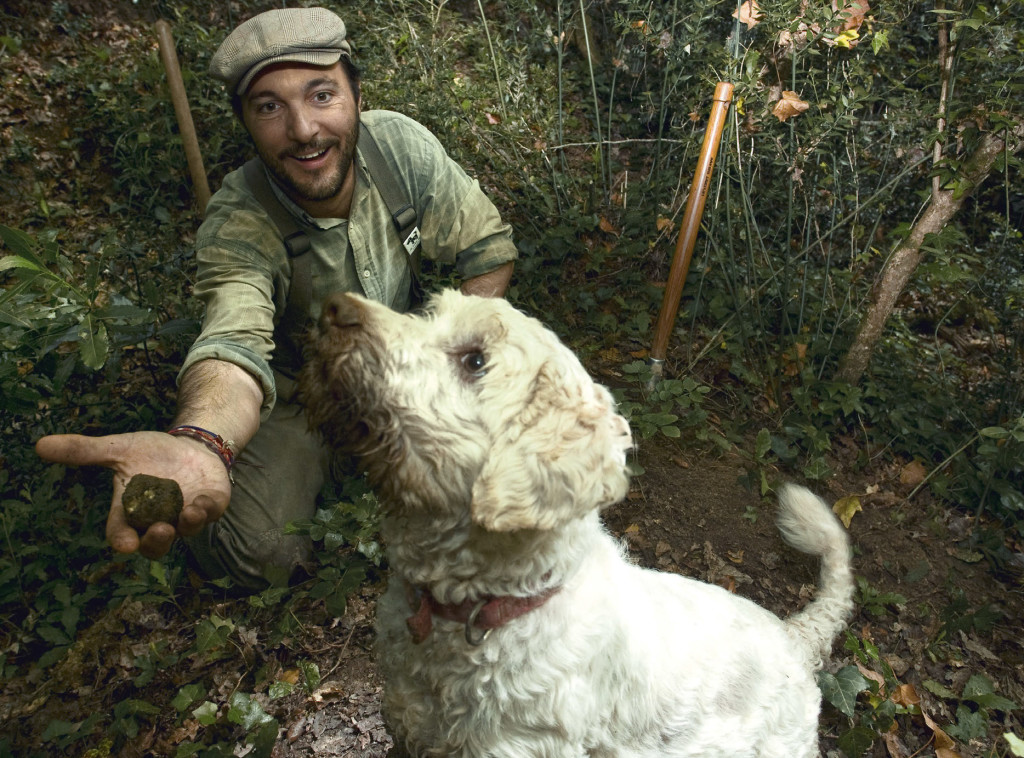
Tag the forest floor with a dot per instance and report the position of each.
(929, 601)
(936, 608)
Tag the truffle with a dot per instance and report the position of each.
(148, 499)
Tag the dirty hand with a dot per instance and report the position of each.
(203, 479)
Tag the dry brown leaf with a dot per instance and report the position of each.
(893, 745)
(748, 13)
(291, 676)
(492, 119)
(913, 473)
(944, 744)
(852, 13)
(789, 105)
(906, 696)
(846, 507)
(663, 223)
(606, 226)
(874, 676)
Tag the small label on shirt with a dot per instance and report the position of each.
(412, 241)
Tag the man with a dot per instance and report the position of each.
(239, 435)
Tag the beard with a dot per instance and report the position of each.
(327, 182)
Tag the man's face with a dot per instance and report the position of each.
(304, 122)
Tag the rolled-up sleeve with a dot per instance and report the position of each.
(238, 273)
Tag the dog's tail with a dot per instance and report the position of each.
(807, 523)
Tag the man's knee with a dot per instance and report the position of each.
(251, 561)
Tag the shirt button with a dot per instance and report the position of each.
(366, 273)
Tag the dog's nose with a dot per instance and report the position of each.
(339, 311)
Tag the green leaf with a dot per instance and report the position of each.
(856, 742)
(93, 344)
(763, 444)
(879, 41)
(310, 675)
(57, 728)
(938, 689)
(842, 688)
(969, 725)
(279, 689)
(16, 261)
(979, 689)
(158, 572)
(817, 469)
(245, 711)
(20, 243)
(187, 695)
(53, 635)
(206, 714)
(995, 432)
(979, 684)
(213, 632)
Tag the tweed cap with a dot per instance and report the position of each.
(300, 35)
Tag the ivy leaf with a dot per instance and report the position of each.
(187, 695)
(842, 688)
(206, 714)
(979, 690)
(247, 712)
(969, 725)
(856, 742)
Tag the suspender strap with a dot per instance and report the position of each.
(403, 214)
(296, 240)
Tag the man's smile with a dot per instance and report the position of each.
(310, 157)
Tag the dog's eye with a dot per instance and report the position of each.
(475, 363)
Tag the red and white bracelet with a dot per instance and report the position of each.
(223, 448)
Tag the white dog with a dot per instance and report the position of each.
(513, 626)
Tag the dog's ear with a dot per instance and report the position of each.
(562, 457)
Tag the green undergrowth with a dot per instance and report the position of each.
(583, 121)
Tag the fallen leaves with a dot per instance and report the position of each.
(846, 507)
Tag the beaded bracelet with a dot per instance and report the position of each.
(216, 443)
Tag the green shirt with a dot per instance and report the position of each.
(244, 271)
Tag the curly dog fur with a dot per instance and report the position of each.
(492, 452)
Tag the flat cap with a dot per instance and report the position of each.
(300, 35)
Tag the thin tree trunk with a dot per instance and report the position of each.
(904, 261)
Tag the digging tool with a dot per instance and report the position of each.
(183, 114)
(689, 226)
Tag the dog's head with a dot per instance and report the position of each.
(473, 402)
